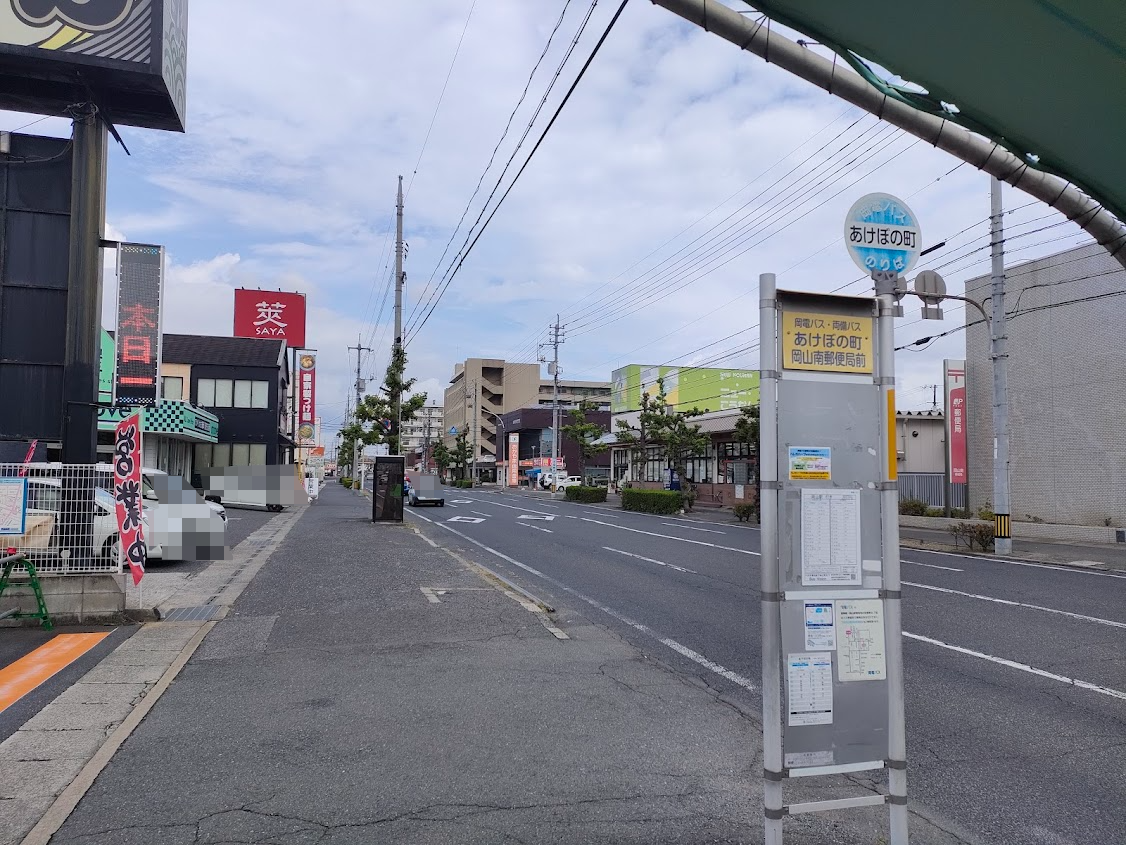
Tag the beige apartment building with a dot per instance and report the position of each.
(489, 387)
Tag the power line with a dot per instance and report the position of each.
(512, 156)
(441, 96)
(527, 161)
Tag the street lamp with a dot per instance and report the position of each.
(500, 441)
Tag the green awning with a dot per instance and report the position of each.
(1045, 78)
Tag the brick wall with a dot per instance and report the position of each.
(1067, 390)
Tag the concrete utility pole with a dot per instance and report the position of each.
(400, 277)
(359, 349)
(1002, 528)
(556, 339)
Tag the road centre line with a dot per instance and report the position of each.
(1023, 667)
(668, 642)
(933, 566)
(692, 528)
(536, 527)
(516, 508)
(1033, 564)
(1096, 619)
(651, 560)
(674, 537)
(481, 514)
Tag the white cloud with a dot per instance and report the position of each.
(299, 123)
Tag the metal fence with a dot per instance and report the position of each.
(69, 525)
(929, 487)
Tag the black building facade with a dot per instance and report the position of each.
(245, 383)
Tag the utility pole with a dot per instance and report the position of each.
(400, 277)
(1002, 530)
(359, 349)
(556, 339)
(426, 444)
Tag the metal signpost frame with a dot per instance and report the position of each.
(832, 658)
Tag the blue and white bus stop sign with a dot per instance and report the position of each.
(882, 233)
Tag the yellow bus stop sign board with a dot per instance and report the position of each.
(826, 343)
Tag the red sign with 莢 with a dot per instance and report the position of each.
(127, 495)
(272, 315)
(955, 372)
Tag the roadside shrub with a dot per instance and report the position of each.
(986, 511)
(464, 483)
(912, 507)
(588, 495)
(346, 481)
(745, 511)
(974, 534)
(652, 501)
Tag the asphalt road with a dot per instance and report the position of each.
(1015, 674)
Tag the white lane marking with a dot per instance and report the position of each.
(430, 596)
(1096, 619)
(933, 566)
(694, 656)
(1018, 563)
(462, 501)
(1023, 667)
(516, 508)
(481, 514)
(472, 520)
(536, 527)
(651, 560)
(692, 528)
(596, 513)
(674, 537)
(535, 516)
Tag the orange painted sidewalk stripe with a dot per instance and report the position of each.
(21, 677)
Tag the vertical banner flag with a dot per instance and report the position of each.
(127, 495)
(954, 376)
(277, 315)
(306, 397)
(514, 460)
(140, 288)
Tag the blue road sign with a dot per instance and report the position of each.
(453, 431)
(882, 233)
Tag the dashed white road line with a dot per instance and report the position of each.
(651, 560)
(679, 648)
(1023, 667)
(535, 527)
(978, 558)
(596, 513)
(933, 566)
(1080, 616)
(693, 528)
(674, 537)
(481, 514)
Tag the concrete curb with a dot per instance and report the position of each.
(924, 546)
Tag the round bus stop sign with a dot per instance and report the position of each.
(882, 233)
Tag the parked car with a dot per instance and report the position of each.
(44, 508)
(546, 479)
(569, 481)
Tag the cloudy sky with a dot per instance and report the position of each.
(679, 171)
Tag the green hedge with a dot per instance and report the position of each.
(652, 501)
(589, 495)
(346, 481)
(463, 483)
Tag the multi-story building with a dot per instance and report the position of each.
(422, 431)
(483, 389)
(1067, 387)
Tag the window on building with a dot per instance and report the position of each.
(221, 455)
(698, 470)
(654, 464)
(257, 454)
(224, 393)
(733, 450)
(242, 394)
(259, 394)
(240, 454)
(205, 392)
(172, 387)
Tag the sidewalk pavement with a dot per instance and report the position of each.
(370, 685)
